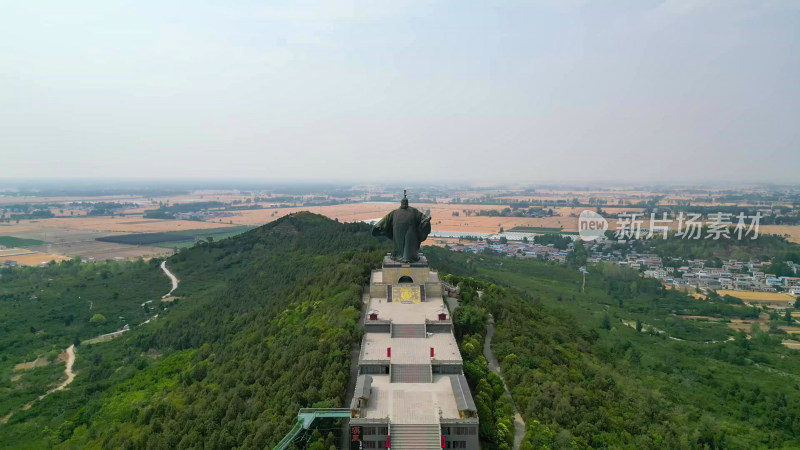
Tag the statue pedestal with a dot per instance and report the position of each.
(395, 273)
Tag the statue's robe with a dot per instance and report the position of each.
(407, 228)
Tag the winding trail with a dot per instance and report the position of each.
(67, 370)
(172, 278)
(494, 366)
(70, 351)
(650, 327)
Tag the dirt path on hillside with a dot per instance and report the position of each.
(172, 278)
(494, 366)
(70, 361)
(67, 370)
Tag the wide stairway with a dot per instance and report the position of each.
(416, 436)
(408, 330)
(411, 373)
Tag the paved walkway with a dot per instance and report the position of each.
(494, 366)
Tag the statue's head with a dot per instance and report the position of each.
(404, 201)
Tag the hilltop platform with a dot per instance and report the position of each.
(410, 350)
(403, 393)
(413, 402)
(398, 312)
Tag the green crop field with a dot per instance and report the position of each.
(198, 235)
(180, 239)
(10, 241)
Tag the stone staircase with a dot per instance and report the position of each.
(411, 373)
(416, 436)
(408, 330)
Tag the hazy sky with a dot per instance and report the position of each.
(424, 90)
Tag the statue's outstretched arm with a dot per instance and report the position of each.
(424, 227)
(383, 227)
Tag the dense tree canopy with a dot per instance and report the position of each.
(587, 370)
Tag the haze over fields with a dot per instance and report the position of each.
(360, 90)
(44, 220)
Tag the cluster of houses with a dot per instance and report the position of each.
(517, 249)
(698, 273)
(732, 275)
(511, 243)
(203, 215)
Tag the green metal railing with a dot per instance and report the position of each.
(305, 418)
(290, 436)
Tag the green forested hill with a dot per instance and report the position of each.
(583, 376)
(264, 326)
(765, 247)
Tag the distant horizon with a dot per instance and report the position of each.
(646, 92)
(254, 183)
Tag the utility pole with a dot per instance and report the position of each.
(583, 270)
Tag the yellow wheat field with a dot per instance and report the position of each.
(775, 297)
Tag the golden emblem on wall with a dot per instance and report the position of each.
(406, 294)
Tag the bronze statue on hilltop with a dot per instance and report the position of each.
(407, 227)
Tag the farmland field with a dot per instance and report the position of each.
(442, 216)
(792, 233)
(31, 259)
(145, 238)
(763, 297)
(536, 230)
(90, 248)
(74, 233)
(76, 236)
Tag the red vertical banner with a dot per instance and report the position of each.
(388, 352)
(388, 442)
(355, 438)
(431, 352)
(442, 441)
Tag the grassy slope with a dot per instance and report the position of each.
(764, 248)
